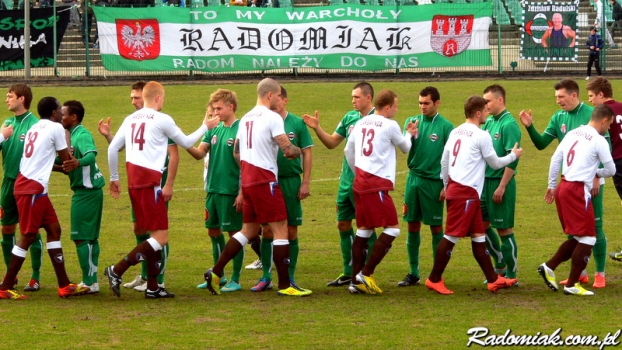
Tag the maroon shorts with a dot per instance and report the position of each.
(263, 203)
(375, 209)
(464, 217)
(149, 208)
(574, 208)
(35, 211)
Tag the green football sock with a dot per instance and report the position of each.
(84, 251)
(143, 264)
(218, 246)
(266, 257)
(94, 259)
(163, 262)
(510, 254)
(600, 250)
(8, 240)
(238, 261)
(293, 257)
(345, 241)
(36, 257)
(494, 248)
(436, 239)
(370, 245)
(412, 246)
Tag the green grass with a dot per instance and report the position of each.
(331, 318)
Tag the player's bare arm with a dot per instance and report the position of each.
(330, 141)
(70, 164)
(289, 151)
(497, 196)
(236, 151)
(104, 129)
(526, 118)
(200, 151)
(307, 159)
(173, 164)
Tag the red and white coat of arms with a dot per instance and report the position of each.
(451, 35)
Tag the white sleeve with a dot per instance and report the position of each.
(277, 126)
(174, 133)
(556, 164)
(445, 167)
(401, 141)
(117, 143)
(498, 163)
(60, 142)
(349, 152)
(604, 156)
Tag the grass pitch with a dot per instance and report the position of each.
(410, 317)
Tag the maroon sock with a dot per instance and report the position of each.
(14, 266)
(280, 256)
(563, 253)
(381, 248)
(580, 257)
(255, 245)
(153, 269)
(58, 262)
(138, 254)
(443, 254)
(483, 259)
(232, 248)
(358, 254)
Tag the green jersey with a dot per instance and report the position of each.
(343, 129)
(424, 157)
(165, 172)
(504, 131)
(563, 121)
(224, 172)
(13, 148)
(298, 134)
(87, 175)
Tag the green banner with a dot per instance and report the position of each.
(550, 31)
(226, 39)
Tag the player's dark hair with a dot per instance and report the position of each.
(473, 105)
(75, 107)
(47, 106)
(283, 92)
(385, 98)
(139, 85)
(598, 85)
(22, 90)
(365, 87)
(568, 84)
(496, 89)
(601, 112)
(432, 92)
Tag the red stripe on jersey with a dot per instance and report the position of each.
(456, 190)
(254, 175)
(365, 182)
(141, 177)
(24, 185)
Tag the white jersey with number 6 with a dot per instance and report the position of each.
(579, 155)
(145, 135)
(258, 150)
(42, 142)
(370, 152)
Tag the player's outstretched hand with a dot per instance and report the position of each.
(517, 150)
(104, 128)
(7, 131)
(413, 128)
(526, 118)
(209, 121)
(115, 189)
(312, 121)
(549, 196)
(70, 164)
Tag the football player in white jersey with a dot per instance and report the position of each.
(259, 137)
(145, 134)
(579, 155)
(463, 167)
(370, 153)
(43, 140)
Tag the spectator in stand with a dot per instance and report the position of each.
(597, 22)
(617, 18)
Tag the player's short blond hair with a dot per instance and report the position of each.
(151, 90)
(267, 85)
(227, 96)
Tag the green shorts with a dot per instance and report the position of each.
(597, 203)
(290, 186)
(346, 210)
(421, 200)
(86, 214)
(500, 215)
(8, 205)
(220, 212)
